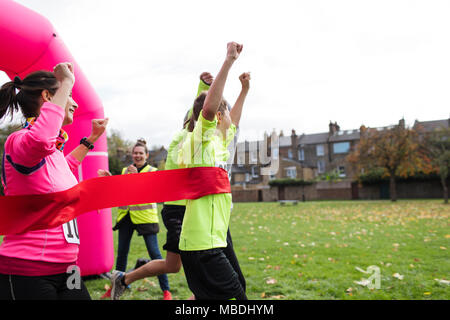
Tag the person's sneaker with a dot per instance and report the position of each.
(117, 287)
(167, 295)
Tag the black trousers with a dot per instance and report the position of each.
(214, 274)
(229, 253)
(53, 287)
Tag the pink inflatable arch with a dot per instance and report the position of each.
(28, 43)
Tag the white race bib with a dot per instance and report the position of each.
(224, 166)
(70, 230)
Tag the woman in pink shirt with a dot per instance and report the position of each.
(38, 264)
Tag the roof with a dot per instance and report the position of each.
(342, 135)
(345, 135)
(314, 138)
(433, 124)
(285, 141)
(158, 155)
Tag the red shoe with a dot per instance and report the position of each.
(167, 295)
(107, 294)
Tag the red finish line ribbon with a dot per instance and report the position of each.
(22, 213)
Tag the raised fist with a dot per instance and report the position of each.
(245, 80)
(64, 71)
(233, 50)
(207, 78)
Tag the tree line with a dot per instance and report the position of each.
(402, 152)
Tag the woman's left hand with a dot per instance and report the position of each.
(98, 127)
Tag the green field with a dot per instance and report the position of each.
(312, 250)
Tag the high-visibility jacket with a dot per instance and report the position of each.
(177, 141)
(140, 213)
(206, 219)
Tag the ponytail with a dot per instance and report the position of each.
(8, 99)
(28, 97)
(196, 109)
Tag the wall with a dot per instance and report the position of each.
(405, 190)
(342, 190)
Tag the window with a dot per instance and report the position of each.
(253, 149)
(241, 159)
(254, 156)
(341, 147)
(254, 172)
(320, 166)
(275, 153)
(290, 154)
(291, 172)
(301, 155)
(320, 151)
(341, 171)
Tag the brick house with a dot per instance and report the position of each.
(300, 156)
(306, 156)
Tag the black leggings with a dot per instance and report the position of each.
(214, 273)
(229, 253)
(53, 287)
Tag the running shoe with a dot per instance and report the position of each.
(117, 287)
(167, 295)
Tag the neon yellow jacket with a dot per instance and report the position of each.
(140, 213)
(172, 152)
(206, 219)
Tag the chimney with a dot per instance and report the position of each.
(281, 133)
(333, 128)
(294, 141)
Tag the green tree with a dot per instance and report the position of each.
(4, 133)
(396, 151)
(117, 151)
(332, 176)
(437, 144)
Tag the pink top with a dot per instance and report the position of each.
(33, 165)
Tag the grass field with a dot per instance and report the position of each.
(312, 251)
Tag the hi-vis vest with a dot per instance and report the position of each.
(140, 213)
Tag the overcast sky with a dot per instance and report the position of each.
(353, 62)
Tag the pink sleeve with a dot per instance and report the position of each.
(72, 162)
(31, 146)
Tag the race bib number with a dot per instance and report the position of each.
(224, 166)
(71, 232)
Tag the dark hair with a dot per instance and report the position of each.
(198, 107)
(141, 143)
(28, 97)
